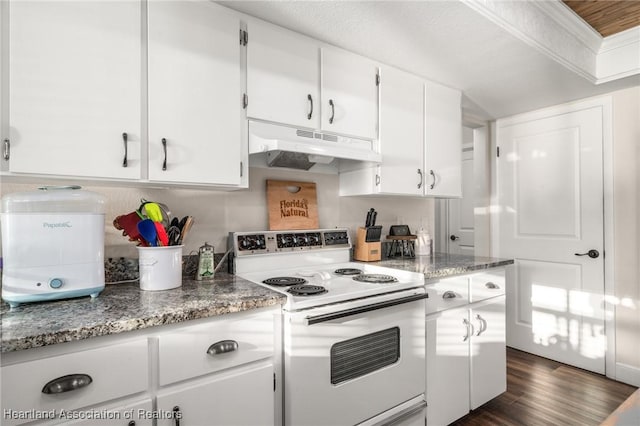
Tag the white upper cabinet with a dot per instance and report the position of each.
(194, 93)
(401, 133)
(443, 148)
(283, 74)
(75, 88)
(349, 94)
(420, 141)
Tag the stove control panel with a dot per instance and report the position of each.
(265, 242)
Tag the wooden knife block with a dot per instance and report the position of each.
(367, 251)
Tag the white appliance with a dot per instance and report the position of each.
(52, 244)
(301, 148)
(353, 333)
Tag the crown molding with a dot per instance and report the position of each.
(555, 30)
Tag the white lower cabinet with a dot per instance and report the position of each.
(465, 349)
(242, 397)
(219, 371)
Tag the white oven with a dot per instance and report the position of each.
(348, 363)
(353, 340)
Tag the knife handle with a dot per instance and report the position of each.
(373, 218)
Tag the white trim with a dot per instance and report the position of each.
(564, 16)
(628, 374)
(606, 104)
(609, 253)
(554, 29)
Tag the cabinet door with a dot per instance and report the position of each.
(349, 94)
(283, 75)
(488, 351)
(447, 357)
(194, 93)
(443, 134)
(243, 397)
(401, 132)
(75, 88)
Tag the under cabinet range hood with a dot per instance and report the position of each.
(301, 149)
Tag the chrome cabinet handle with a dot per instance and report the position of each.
(421, 178)
(333, 111)
(164, 146)
(222, 347)
(131, 423)
(433, 177)
(470, 330)
(449, 294)
(453, 237)
(594, 254)
(177, 415)
(6, 152)
(377, 180)
(124, 138)
(483, 324)
(310, 106)
(492, 286)
(67, 383)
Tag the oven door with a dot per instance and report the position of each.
(348, 362)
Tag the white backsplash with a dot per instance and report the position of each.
(218, 213)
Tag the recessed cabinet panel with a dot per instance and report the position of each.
(283, 74)
(443, 149)
(75, 88)
(194, 93)
(349, 94)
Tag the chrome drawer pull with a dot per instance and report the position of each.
(491, 285)
(67, 383)
(222, 347)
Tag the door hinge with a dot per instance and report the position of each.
(274, 382)
(245, 101)
(244, 37)
(241, 168)
(377, 79)
(497, 151)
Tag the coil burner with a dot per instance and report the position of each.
(285, 281)
(306, 290)
(348, 271)
(375, 278)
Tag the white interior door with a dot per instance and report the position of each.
(461, 210)
(550, 190)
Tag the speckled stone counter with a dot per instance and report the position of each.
(441, 265)
(124, 307)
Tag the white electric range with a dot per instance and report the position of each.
(353, 333)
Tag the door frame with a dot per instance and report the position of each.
(483, 177)
(606, 103)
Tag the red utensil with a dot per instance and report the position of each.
(163, 238)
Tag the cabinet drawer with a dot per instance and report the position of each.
(115, 371)
(240, 338)
(487, 284)
(447, 293)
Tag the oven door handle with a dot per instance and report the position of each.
(362, 309)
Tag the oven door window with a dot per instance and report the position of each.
(362, 355)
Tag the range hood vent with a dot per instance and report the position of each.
(301, 149)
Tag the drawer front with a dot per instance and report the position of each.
(447, 293)
(114, 371)
(487, 284)
(224, 342)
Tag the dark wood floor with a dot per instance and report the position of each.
(545, 392)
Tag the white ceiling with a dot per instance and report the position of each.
(444, 41)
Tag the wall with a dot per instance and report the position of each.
(218, 213)
(626, 193)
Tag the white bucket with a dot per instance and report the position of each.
(160, 267)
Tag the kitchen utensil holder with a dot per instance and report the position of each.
(368, 246)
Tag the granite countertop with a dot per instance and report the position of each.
(124, 307)
(441, 265)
